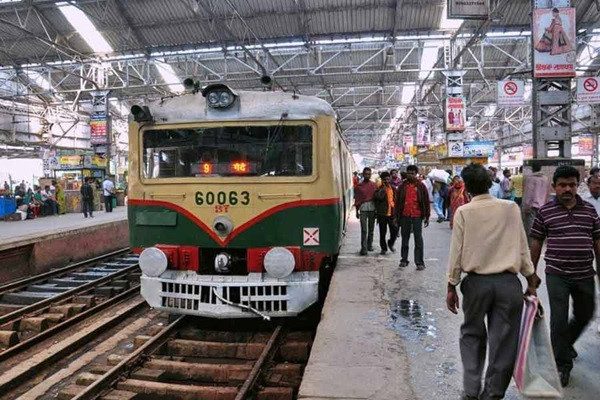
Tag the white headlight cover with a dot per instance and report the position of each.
(213, 98)
(279, 262)
(153, 262)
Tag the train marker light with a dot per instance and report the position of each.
(219, 95)
(153, 262)
(240, 167)
(206, 168)
(279, 262)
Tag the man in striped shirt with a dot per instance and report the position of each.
(572, 229)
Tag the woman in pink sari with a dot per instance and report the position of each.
(554, 40)
(458, 196)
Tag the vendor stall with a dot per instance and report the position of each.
(70, 172)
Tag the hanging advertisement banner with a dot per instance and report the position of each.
(588, 90)
(99, 129)
(482, 148)
(468, 9)
(586, 144)
(527, 151)
(511, 93)
(554, 53)
(455, 148)
(408, 143)
(423, 133)
(455, 114)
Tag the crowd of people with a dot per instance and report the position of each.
(519, 215)
(51, 200)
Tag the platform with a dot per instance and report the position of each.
(386, 333)
(33, 246)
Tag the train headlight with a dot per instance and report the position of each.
(153, 262)
(213, 99)
(219, 95)
(223, 263)
(279, 262)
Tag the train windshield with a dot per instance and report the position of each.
(274, 150)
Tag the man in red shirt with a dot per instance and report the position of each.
(364, 196)
(412, 212)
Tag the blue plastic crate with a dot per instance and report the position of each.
(7, 206)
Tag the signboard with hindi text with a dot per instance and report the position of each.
(588, 90)
(455, 115)
(554, 42)
(481, 148)
(586, 144)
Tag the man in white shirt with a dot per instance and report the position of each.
(489, 245)
(593, 195)
(108, 189)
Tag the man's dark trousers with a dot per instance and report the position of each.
(367, 225)
(564, 332)
(385, 222)
(88, 207)
(415, 225)
(498, 297)
(108, 203)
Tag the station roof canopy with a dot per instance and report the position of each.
(374, 60)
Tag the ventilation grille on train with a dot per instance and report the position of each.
(270, 298)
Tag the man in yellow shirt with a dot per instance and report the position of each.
(516, 184)
(490, 246)
(385, 207)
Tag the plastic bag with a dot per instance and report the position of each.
(439, 175)
(535, 370)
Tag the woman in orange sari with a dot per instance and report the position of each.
(555, 40)
(458, 196)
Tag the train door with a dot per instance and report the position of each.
(343, 183)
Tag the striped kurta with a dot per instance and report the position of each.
(570, 238)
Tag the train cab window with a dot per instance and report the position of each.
(275, 150)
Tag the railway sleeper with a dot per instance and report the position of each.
(283, 375)
(88, 300)
(71, 391)
(223, 336)
(194, 348)
(8, 339)
(201, 372)
(8, 308)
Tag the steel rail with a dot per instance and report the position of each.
(105, 382)
(25, 374)
(50, 274)
(65, 295)
(22, 346)
(265, 356)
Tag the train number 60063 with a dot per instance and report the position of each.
(221, 198)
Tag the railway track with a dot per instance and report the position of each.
(36, 308)
(184, 362)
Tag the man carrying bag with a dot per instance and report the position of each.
(489, 244)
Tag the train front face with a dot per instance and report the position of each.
(228, 211)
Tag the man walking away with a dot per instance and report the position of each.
(505, 185)
(384, 205)
(490, 246)
(516, 184)
(412, 212)
(438, 200)
(536, 191)
(593, 194)
(87, 199)
(364, 195)
(495, 189)
(395, 180)
(572, 229)
(108, 189)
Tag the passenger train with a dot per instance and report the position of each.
(238, 200)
